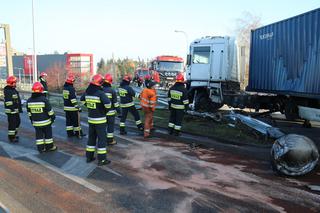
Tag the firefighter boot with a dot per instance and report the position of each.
(140, 127)
(89, 160)
(111, 141)
(176, 133)
(70, 134)
(103, 162)
(13, 139)
(170, 130)
(123, 131)
(52, 149)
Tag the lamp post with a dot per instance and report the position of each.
(35, 70)
(186, 37)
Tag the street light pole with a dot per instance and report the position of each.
(186, 36)
(34, 57)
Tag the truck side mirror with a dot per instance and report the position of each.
(188, 60)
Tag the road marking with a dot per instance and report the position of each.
(111, 171)
(77, 166)
(16, 151)
(74, 178)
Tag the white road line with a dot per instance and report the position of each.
(74, 178)
(16, 151)
(111, 171)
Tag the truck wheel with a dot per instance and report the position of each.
(204, 104)
(291, 110)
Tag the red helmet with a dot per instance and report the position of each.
(70, 79)
(11, 81)
(97, 80)
(180, 77)
(127, 78)
(37, 87)
(147, 77)
(108, 78)
(43, 74)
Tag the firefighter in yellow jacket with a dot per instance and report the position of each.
(41, 116)
(148, 99)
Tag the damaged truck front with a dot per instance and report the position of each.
(283, 71)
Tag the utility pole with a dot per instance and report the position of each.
(34, 57)
(8, 50)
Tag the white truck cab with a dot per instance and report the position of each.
(212, 64)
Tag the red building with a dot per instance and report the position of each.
(78, 63)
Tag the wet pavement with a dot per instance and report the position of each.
(158, 175)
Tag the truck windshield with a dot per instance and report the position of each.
(201, 55)
(170, 66)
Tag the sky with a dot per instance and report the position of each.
(139, 28)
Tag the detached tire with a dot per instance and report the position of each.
(291, 110)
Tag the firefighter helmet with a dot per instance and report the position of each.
(147, 77)
(70, 79)
(108, 78)
(37, 87)
(43, 74)
(127, 77)
(97, 80)
(11, 81)
(180, 77)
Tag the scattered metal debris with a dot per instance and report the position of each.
(214, 116)
(256, 124)
(294, 155)
(314, 187)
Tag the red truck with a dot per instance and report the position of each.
(165, 68)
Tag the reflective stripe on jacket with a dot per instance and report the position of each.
(69, 98)
(178, 97)
(39, 110)
(98, 104)
(148, 98)
(12, 101)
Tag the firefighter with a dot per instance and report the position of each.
(41, 116)
(112, 95)
(12, 105)
(71, 108)
(127, 95)
(178, 104)
(43, 81)
(148, 99)
(98, 105)
(147, 78)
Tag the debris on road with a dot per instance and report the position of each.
(256, 124)
(294, 155)
(314, 187)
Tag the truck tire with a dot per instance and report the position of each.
(204, 104)
(291, 110)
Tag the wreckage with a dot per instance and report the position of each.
(292, 154)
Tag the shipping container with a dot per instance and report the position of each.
(285, 57)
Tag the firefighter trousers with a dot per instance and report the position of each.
(175, 120)
(110, 128)
(13, 125)
(72, 123)
(148, 121)
(44, 138)
(124, 115)
(97, 132)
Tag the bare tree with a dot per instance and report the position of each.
(244, 25)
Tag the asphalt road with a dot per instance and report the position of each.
(159, 175)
